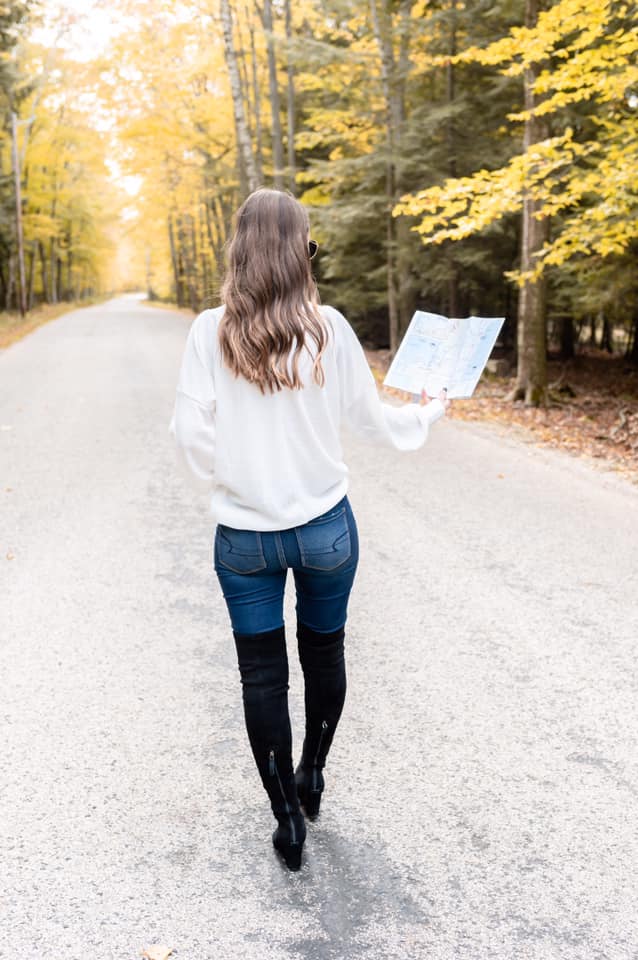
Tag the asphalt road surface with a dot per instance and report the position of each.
(481, 795)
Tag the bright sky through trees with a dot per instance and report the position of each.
(83, 28)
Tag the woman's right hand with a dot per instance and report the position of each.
(442, 397)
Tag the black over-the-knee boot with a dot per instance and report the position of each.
(263, 666)
(324, 668)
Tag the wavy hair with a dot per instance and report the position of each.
(270, 296)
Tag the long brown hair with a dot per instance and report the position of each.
(270, 296)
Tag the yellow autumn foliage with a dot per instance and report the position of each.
(588, 57)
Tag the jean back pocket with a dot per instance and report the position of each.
(324, 543)
(239, 550)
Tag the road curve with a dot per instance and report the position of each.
(482, 790)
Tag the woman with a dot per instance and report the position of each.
(266, 382)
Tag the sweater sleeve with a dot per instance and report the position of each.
(193, 422)
(403, 427)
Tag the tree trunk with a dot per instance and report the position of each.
(508, 333)
(69, 266)
(450, 83)
(45, 272)
(243, 76)
(10, 282)
(31, 277)
(53, 289)
(53, 293)
(149, 273)
(275, 107)
(247, 171)
(290, 91)
(174, 261)
(566, 337)
(204, 257)
(216, 243)
(397, 279)
(22, 299)
(191, 266)
(392, 284)
(407, 243)
(3, 284)
(632, 346)
(259, 153)
(607, 340)
(531, 374)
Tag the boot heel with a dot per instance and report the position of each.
(311, 804)
(309, 789)
(293, 857)
(288, 839)
(291, 852)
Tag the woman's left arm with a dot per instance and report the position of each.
(193, 421)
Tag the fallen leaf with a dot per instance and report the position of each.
(157, 951)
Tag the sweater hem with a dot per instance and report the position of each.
(245, 518)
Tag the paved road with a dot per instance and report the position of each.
(482, 798)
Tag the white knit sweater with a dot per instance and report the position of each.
(274, 461)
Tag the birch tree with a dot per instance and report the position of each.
(275, 103)
(247, 169)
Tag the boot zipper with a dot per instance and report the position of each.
(272, 769)
(324, 727)
(315, 772)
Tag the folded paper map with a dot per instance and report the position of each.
(437, 352)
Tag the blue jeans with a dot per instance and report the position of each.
(252, 566)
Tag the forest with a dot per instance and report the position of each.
(473, 157)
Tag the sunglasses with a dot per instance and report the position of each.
(313, 246)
